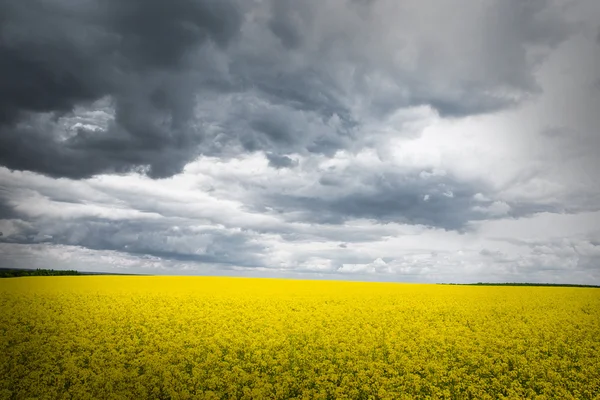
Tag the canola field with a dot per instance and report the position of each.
(136, 337)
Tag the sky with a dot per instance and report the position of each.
(409, 141)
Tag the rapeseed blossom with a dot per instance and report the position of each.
(96, 337)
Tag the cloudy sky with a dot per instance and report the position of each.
(415, 141)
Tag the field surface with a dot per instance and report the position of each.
(113, 337)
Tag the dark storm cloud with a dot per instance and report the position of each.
(91, 152)
(316, 60)
(56, 55)
(407, 198)
(442, 202)
(286, 22)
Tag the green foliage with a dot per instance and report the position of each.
(521, 284)
(13, 273)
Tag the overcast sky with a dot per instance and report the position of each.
(413, 141)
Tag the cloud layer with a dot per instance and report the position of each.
(333, 137)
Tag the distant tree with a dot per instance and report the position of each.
(12, 273)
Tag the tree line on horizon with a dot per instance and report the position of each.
(521, 284)
(13, 273)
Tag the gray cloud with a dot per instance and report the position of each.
(280, 161)
(160, 238)
(155, 63)
(407, 197)
(537, 260)
(57, 56)
(175, 225)
(401, 199)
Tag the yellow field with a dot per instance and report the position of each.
(174, 337)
